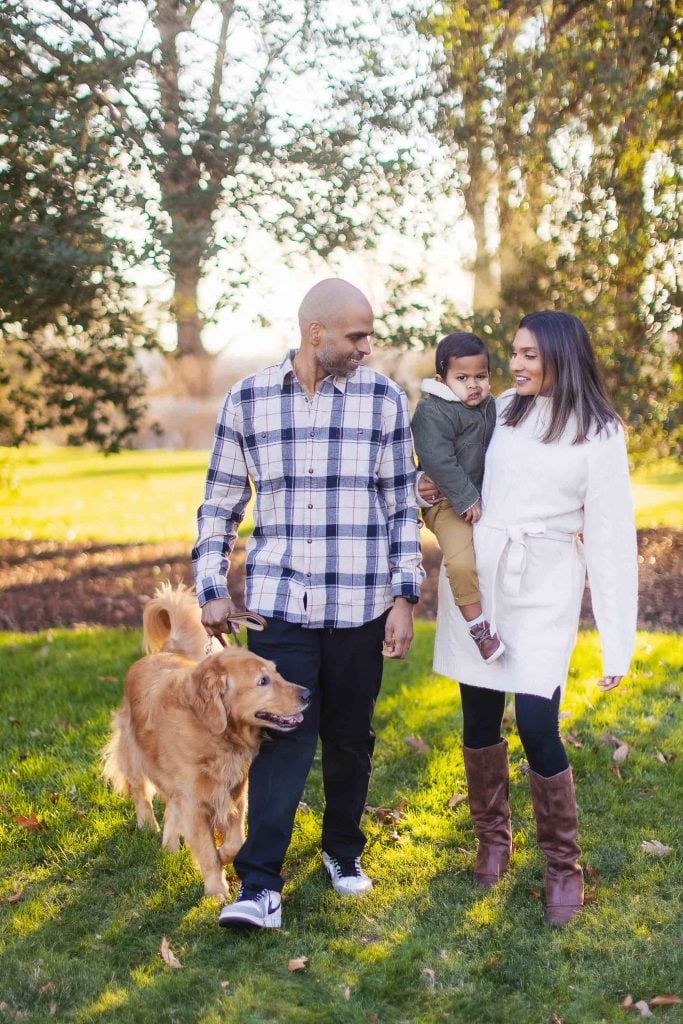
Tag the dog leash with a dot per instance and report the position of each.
(252, 620)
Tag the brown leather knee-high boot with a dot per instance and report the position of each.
(556, 829)
(488, 787)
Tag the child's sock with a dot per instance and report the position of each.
(475, 622)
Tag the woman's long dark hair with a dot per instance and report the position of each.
(569, 362)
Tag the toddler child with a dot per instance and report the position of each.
(452, 427)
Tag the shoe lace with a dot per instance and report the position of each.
(246, 893)
(481, 632)
(347, 866)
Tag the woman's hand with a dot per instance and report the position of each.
(609, 682)
(473, 513)
(428, 490)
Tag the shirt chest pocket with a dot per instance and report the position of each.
(356, 456)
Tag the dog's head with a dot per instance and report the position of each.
(238, 685)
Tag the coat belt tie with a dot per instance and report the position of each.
(515, 545)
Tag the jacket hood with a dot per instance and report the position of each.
(441, 390)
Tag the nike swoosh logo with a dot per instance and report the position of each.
(271, 908)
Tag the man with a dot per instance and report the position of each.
(333, 564)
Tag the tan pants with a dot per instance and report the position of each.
(454, 535)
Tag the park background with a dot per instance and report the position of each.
(174, 174)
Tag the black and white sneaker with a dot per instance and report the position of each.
(253, 909)
(346, 875)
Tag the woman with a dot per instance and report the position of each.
(556, 468)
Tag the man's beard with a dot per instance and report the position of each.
(336, 365)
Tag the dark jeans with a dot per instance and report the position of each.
(537, 724)
(343, 670)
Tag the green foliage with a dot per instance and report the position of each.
(557, 121)
(96, 896)
(68, 322)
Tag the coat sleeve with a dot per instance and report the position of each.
(432, 436)
(611, 552)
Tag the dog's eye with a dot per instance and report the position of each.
(264, 681)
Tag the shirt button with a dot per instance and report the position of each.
(309, 575)
(309, 506)
(309, 541)
(310, 470)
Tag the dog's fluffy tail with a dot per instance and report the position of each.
(171, 621)
(112, 770)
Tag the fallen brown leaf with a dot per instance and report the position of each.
(297, 964)
(523, 768)
(456, 799)
(14, 897)
(592, 873)
(168, 956)
(666, 1001)
(347, 993)
(417, 744)
(32, 823)
(47, 988)
(12, 720)
(642, 1008)
(573, 739)
(621, 753)
(627, 1003)
(617, 771)
(373, 1018)
(54, 798)
(429, 976)
(555, 1019)
(108, 679)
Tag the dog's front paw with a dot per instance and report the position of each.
(216, 887)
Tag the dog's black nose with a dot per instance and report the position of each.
(305, 696)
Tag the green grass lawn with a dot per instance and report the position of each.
(66, 494)
(85, 899)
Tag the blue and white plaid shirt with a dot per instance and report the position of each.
(336, 536)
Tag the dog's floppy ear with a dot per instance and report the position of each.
(208, 704)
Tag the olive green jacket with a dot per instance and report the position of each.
(451, 439)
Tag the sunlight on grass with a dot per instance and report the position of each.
(658, 495)
(98, 895)
(67, 494)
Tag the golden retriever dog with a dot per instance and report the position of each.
(188, 729)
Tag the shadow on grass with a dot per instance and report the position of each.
(424, 946)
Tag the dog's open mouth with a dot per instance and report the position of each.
(281, 721)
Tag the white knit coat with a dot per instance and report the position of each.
(537, 498)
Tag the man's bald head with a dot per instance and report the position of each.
(329, 302)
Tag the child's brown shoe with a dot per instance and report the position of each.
(490, 645)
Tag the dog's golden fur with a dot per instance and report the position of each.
(189, 727)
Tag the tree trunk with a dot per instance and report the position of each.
(185, 308)
(486, 288)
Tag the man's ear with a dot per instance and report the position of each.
(209, 705)
(315, 333)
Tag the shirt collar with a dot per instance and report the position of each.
(286, 370)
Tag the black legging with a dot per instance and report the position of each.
(537, 725)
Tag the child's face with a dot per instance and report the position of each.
(468, 378)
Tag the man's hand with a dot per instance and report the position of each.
(428, 490)
(473, 513)
(215, 618)
(609, 682)
(398, 629)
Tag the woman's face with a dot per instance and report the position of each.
(527, 366)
